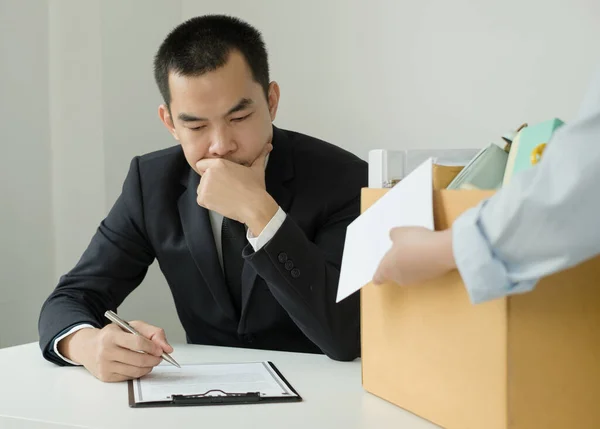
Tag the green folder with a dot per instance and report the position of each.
(485, 171)
(527, 140)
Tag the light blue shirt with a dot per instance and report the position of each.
(545, 220)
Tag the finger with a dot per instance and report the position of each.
(200, 191)
(261, 161)
(154, 333)
(137, 343)
(380, 275)
(378, 278)
(126, 372)
(111, 377)
(395, 233)
(133, 358)
(205, 164)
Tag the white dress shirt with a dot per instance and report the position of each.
(216, 220)
(544, 221)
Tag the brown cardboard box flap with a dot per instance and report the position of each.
(444, 174)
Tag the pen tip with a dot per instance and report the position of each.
(170, 360)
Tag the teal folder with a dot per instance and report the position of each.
(485, 171)
(519, 158)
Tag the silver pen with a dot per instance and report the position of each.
(112, 316)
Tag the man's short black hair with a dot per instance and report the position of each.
(203, 44)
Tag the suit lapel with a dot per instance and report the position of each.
(199, 237)
(280, 171)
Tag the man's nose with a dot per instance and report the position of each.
(222, 142)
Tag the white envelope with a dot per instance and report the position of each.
(409, 203)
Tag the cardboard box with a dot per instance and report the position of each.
(528, 361)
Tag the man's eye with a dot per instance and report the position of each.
(240, 119)
(201, 127)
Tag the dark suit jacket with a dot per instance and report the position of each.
(289, 286)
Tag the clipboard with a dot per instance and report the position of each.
(274, 387)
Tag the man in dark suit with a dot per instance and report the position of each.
(247, 221)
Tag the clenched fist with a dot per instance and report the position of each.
(237, 191)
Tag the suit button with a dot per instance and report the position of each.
(295, 273)
(249, 338)
(282, 257)
(288, 264)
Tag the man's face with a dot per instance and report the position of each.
(221, 114)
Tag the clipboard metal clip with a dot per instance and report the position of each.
(216, 396)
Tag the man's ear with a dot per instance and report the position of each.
(273, 99)
(165, 116)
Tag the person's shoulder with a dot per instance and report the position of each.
(167, 156)
(163, 166)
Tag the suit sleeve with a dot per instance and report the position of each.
(113, 265)
(303, 276)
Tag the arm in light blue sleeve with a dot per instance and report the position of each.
(544, 221)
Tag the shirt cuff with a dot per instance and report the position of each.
(485, 276)
(268, 232)
(66, 334)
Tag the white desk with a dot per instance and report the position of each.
(37, 394)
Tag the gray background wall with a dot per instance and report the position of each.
(26, 229)
(79, 101)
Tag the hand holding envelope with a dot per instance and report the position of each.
(407, 204)
(417, 254)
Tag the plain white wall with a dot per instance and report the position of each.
(77, 130)
(426, 74)
(363, 75)
(26, 238)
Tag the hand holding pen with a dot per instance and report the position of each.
(113, 317)
(112, 354)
